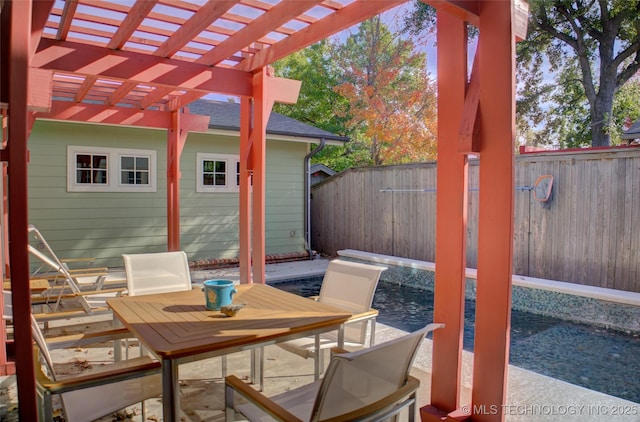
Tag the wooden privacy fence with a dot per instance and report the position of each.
(588, 234)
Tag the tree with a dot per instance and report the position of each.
(394, 122)
(593, 47)
(577, 55)
(317, 100)
(626, 107)
(391, 101)
(314, 66)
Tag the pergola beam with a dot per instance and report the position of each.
(283, 13)
(129, 25)
(95, 113)
(465, 10)
(88, 60)
(194, 26)
(340, 20)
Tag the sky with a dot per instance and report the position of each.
(392, 18)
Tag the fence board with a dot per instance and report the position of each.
(586, 235)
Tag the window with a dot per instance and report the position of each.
(134, 170)
(218, 172)
(95, 169)
(91, 169)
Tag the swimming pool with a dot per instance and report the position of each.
(600, 359)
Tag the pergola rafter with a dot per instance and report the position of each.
(140, 63)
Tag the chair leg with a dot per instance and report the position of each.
(318, 361)
(372, 339)
(224, 366)
(257, 367)
(229, 411)
(412, 409)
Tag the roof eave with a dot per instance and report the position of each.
(284, 136)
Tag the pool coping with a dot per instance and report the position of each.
(604, 307)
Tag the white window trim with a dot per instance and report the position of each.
(113, 169)
(231, 173)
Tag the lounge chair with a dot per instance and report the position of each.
(67, 284)
(350, 286)
(99, 391)
(372, 384)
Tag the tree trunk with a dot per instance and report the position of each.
(601, 117)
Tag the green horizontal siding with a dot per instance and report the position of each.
(105, 225)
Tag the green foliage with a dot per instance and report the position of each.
(626, 108)
(314, 66)
(421, 19)
(391, 102)
(372, 88)
(577, 55)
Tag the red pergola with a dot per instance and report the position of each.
(141, 62)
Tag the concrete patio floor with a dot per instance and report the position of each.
(530, 396)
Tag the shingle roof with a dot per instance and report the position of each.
(226, 116)
(633, 132)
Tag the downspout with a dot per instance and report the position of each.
(307, 196)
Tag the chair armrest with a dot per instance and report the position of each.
(263, 402)
(316, 298)
(124, 370)
(57, 315)
(407, 389)
(371, 313)
(75, 340)
(69, 260)
(338, 351)
(101, 292)
(78, 272)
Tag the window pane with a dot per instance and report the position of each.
(142, 178)
(83, 161)
(221, 166)
(83, 176)
(100, 177)
(99, 161)
(207, 179)
(127, 177)
(220, 180)
(126, 163)
(207, 166)
(142, 163)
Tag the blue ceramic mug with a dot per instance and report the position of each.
(218, 293)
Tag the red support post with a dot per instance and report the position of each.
(451, 221)
(246, 168)
(261, 110)
(18, 125)
(495, 218)
(174, 148)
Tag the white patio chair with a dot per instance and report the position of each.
(371, 384)
(161, 272)
(99, 391)
(350, 286)
(157, 272)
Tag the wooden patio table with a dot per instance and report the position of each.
(178, 328)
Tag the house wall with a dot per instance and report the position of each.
(105, 225)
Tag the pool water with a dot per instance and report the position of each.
(603, 360)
